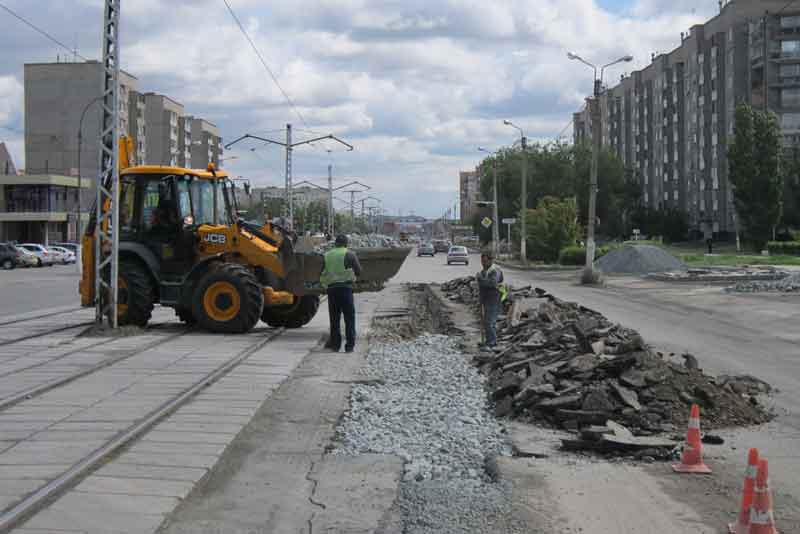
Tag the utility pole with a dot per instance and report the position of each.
(523, 247)
(289, 146)
(495, 211)
(330, 200)
(106, 230)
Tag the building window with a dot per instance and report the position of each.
(790, 97)
(790, 121)
(790, 48)
(790, 22)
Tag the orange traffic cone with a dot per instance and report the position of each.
(762, 520)
(742, 525)
(692, 459)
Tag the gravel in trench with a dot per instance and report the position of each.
(431, 410)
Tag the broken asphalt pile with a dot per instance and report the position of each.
(565, 364)
(789, 284)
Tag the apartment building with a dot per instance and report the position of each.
(57, 95)
(162, 118)
(137, 129)
(206, 143)
(671, 122)
(469, 192)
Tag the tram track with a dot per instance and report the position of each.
(50, 491)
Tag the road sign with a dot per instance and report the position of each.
(509, 221)
(486, 222)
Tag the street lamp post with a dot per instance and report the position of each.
(588, 273)
(78, 225)
(495, 215)
(523, 248)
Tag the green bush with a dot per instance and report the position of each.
(575, 255)
(551, 226)
(784, 248)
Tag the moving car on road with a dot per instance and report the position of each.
(441, 245)
(45, 256)
(8, 256)
(458, 255)
(66, 255)
(26, 258)
(426, 249)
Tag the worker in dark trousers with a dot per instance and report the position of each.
(492, 291)
(338, 276)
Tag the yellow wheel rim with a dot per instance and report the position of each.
(122, 297)
(221, 301)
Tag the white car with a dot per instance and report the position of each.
(66, 255)
(44, 256)
(26, 258)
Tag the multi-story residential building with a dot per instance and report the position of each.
(6, 163)
(671, 122)
(162, 117)
(137, 126)
(185, 143)
(469, 192)
(206, 143)
(56, 97)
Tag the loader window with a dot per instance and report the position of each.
(127, 222)
(203, 201)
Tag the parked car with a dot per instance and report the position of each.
(72, 247)
(44, 255)
(67, 256)
(26, 258)
(8, 256)
(441, 245)
(426, 249)
(458, 255)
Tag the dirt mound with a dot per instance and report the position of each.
(563, 363)
(639, 259)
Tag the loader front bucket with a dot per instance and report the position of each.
(378, 266)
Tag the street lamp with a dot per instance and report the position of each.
(78, 225)
(524, 203)
(495, 215)
(588, 272)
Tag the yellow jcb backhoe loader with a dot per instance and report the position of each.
(183, 245)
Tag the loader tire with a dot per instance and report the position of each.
(294, 316)
(185, 315)
(228, 300)
(135, 296)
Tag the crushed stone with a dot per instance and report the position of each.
(639, 260)
(788, 284)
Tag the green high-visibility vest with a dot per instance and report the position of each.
(334, 271)
(502, 287)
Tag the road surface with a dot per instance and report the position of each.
(38, 289)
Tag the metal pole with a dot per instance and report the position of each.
(496, 225)
(523, 233)
(596, 141)
(289, 195)
(330, 201)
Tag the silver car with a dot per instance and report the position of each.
(458, 255)
(66, 256)
(45, 256)
(26, 258)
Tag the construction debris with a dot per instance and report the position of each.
(788, 284)
(568, 365)
(723, 275)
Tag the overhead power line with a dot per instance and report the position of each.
(264, 63)
(41, 31)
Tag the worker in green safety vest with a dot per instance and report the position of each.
(340, 272)
(492, 292)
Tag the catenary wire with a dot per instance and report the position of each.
(41, 31)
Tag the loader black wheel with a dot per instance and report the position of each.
(135, 295)
(228, 300)
(293, 316)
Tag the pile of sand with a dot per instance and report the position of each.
(639, 259)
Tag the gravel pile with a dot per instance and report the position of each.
(790, 284)
(639, 259)
(429, 407)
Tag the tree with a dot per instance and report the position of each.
(755, 172)
(551, 226)
(791, 188)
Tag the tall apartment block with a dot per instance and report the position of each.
(671, 122)
(206, 143)
(469, 191)
(162, 118)
(56, 96)
(137, 129)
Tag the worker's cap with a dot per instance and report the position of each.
(487, 252)
(341, 240)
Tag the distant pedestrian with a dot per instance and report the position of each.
(492, 291)
(709, 236)
(341, 270)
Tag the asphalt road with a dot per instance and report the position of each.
(38, 289)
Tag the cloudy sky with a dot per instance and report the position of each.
(415, 85)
